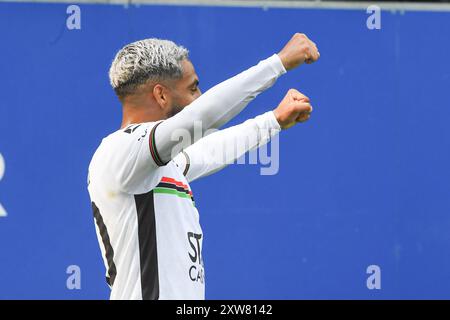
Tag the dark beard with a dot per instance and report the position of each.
(174, 110)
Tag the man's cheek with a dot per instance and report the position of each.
(188, 101)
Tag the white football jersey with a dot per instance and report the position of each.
(145, 215)
(146, 220)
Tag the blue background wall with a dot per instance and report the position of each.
(365, 181)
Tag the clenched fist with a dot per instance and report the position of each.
(297, 51)
(294, 108)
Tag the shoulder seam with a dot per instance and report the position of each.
(153, 151)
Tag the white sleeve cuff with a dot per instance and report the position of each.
(276, 64)
(268, 121)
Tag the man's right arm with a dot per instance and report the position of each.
(224, 101)
(214, 108)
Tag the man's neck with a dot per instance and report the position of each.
(133, 114)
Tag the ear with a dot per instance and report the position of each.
(162, 96)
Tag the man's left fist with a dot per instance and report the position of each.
(294, 108)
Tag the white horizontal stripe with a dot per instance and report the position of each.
(338, 5)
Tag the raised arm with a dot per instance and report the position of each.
(221, 103)
(219, 149)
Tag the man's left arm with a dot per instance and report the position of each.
(221, 148)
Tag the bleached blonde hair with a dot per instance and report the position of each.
(144, 60)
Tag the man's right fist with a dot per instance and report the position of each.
(298, 50)
(294, 108)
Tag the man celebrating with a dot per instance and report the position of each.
(146, 220)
